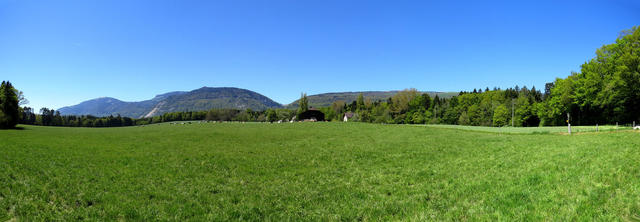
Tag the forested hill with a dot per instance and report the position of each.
(200, 99)
(326, 99)
(106, 106)
(208, 98)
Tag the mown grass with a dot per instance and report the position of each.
(535, 130)
(315, 171)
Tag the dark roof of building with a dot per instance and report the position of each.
(315, 114)
(349, 114)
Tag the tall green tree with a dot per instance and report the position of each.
(360, 102)
(9, 108)
(303, 104)
(272, 116)
(338, 109)
(400, 101)
(464, 119)
(501, 115)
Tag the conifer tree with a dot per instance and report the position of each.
(9, 109)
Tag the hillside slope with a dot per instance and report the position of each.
(208, 98)
(212, 97)
(109, 106)
(326, 99)
(200, 99)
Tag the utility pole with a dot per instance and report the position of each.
(436, 111)
(568, 123)
(512, 113)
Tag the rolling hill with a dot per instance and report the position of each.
(211, 97)
(208, 98)
(325, 99)
(200, 99)
(110, 106)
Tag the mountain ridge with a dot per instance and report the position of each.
(326, 99)
(206, 98)
(199, 99)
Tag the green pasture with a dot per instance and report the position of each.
(317, 171)
(535, 130)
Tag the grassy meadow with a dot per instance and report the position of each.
(316, 171)
(536, 130)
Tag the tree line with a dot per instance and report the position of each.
(497, 107)
(247, 115)
(50, 117)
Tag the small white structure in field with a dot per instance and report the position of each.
(347, 116)
(636, 128)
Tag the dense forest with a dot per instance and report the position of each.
(50, 117)
(605, 91)
(489, 108)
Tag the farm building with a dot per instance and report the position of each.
(312, 115)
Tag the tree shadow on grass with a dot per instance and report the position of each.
(14, 128)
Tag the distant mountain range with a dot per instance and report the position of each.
(200, 99)
(207, 98)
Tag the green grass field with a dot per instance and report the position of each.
(535, 130)
(315, 171)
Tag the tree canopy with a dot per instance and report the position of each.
(9, 105)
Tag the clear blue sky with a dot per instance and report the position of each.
(63, 52)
